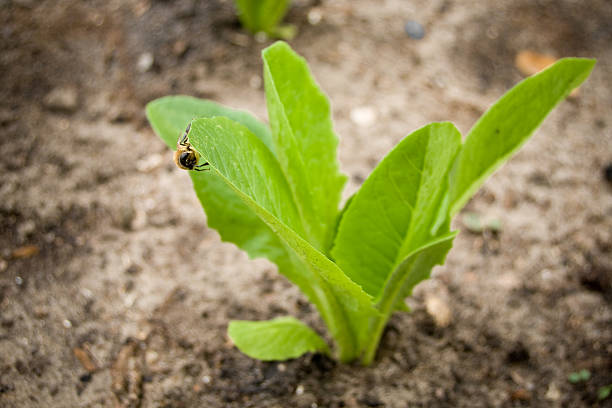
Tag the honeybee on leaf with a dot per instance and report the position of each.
(185, 156)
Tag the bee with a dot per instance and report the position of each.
(185, 156)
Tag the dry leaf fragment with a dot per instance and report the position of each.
(25, 251)
(85, 359)
(530, 63)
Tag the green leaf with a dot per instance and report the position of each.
(507, 124)
(170, 115)
(397, 207)
(236, 154)
(278, 339)
(604, 392)
(241, 160)
(226, 212)
(415, 268)
(261, 15)
(304, 141)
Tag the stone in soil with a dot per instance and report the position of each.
(414, 29)
(64, 98)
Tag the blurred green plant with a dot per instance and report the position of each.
(264, 16)
(604, 392)
(275, 192)
(579, 376)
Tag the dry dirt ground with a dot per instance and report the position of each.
(113, 292)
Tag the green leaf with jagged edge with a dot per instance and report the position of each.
(225, 211)
(243, 162)
(395, 210)
(261, 15)
(507, 124)
(304, 140)
(277, 339)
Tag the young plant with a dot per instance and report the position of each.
(275, 192)
(264, 16)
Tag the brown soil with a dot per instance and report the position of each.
(113, 292)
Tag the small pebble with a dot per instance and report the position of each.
(40, 312)
(553, 393)
(62, 99)
(363, 116)
(87, 294)
(299, 390)
(145, 62)
(26, 229)
(18, 280)
(66, 323)
(414, 29)
(439, 310)
(206, 379)
(314, 16)
(151, 358)
(180, 47)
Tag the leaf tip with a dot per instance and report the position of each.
(277, 45)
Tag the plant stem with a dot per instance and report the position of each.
(335, 318)
(386, 305)
(377, 326)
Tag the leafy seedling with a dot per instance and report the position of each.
(275, 193)
(477, 224)
(604, 392)
(264, 16)
(579, 376)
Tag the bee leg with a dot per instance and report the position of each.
(202, 167)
